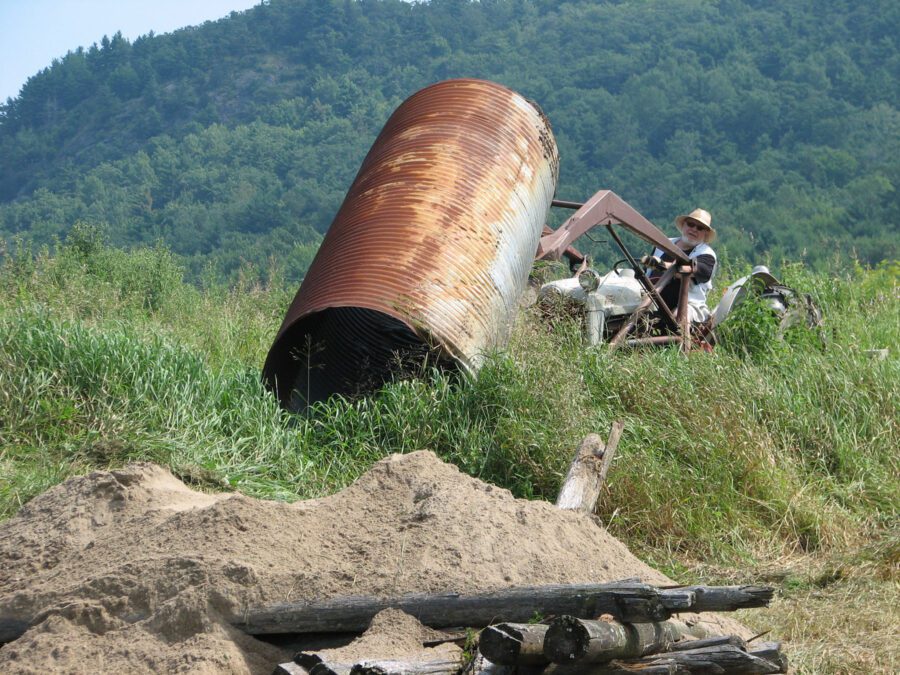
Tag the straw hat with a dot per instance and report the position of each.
(698, 216)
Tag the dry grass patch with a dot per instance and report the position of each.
(835, 614)
(848, 626)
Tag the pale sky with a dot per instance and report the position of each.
(34, 32)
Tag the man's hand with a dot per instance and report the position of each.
(651, 261)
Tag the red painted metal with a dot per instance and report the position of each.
(431, 248)
(605, 207)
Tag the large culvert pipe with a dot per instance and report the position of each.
(430, 250)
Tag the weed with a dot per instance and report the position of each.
(767, 449)
(763, 448)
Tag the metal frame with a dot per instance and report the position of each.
(607, 209)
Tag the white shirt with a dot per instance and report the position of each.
(697, 293)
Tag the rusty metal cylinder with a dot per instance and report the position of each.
(431, 249)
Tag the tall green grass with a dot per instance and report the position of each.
(107, 357)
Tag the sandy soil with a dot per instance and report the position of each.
(132, 571)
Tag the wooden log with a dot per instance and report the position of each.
(570, 639)
(709, 642)
(771, 652)
(632, 602)
(511, 644)
(729, 598)
(313, 664)
(646, 666)
(306, 663)
(677, 599)
(650, 667)
(612, 444)
(456, 637)
(723, 658)
(12, 628)
(581, 488)
(389, 667)
(479, 665)
(626, 601)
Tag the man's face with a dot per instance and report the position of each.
(693, 232)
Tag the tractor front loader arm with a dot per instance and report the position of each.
(604, 208)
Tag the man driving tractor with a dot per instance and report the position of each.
(696, 235)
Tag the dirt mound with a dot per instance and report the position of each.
(393, 634)
(132, 570)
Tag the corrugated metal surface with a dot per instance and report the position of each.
(432, 244)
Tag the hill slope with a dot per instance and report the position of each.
(237, 139)
(765, 460)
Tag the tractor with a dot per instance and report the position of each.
(624, 306)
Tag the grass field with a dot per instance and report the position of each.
(769, 460)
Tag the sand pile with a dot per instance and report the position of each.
(131, 570)
(393, 634)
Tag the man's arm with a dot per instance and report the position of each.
(706, 263)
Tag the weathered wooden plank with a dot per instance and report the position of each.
(455, 636)
(729, 598)
(723, 658)
(391, 667)
(307, 663)
(313, 664)
(771, 652)
(573, 640)
(612, 444)
(678, 599)
(709, 642)
(587, 473)
(726, 656)
(289, 668)
(653, 667)
(512, 644)
(581, 488)
(646, 666)
(479, 665)
(625, 601)
(12, 628)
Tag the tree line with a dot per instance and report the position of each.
(236, 140)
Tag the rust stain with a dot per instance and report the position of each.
(438, 229)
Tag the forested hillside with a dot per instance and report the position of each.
(236, 140)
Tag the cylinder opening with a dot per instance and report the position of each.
(348, 351)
